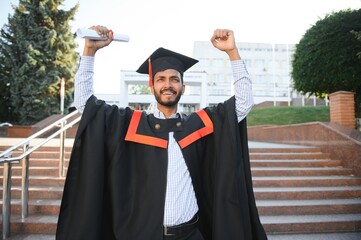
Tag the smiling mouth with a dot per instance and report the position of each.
(168, 92)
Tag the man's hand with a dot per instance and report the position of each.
(92, 46)
(223, 39)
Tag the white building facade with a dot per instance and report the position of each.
(211, 81)
(269, 66)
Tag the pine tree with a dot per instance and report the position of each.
(37, 50)
(6, 114)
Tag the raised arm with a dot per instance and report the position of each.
(223, 39)
(83, 86)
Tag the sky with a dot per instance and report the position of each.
(177, 24)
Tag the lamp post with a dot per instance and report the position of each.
(273, 74)
(62, 95)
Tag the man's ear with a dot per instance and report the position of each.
(183, 88)
(152, 89)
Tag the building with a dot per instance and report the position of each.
(268, 65)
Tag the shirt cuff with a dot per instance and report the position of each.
(87, 62)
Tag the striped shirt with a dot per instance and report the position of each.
(180, 203)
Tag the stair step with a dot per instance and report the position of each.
(299, 155)
(38, 170)
(43, 148)
(20, 236)
(307, 192)
(33, 224)
(314, 236)
(48, 154)
(44, 206)
(38, 181)
(303, 181)
(43, 154)
(312, 223)
(295, 163)
(304, 207)
(38, 192)
(286, 150)
(42, 162)
(299, 171)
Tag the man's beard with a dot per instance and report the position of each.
(168, 103)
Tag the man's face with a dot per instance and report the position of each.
(168, 87)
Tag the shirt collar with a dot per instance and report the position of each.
(158, 114)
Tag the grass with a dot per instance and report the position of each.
(283, 115)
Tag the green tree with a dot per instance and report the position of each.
(358, 36)
(326, 61)
(139, 89)
(37, 50)
(5, 110)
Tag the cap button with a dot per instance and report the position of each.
(157, 126)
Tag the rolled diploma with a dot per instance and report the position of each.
(92, 34)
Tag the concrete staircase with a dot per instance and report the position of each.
(45, 193)
(298, 190)
(301, 190)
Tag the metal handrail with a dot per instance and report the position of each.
(6, 157)
(37, 134)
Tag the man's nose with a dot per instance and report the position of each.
(167, 83)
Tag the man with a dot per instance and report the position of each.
(138, 176)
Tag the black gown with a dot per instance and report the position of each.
(116, 181)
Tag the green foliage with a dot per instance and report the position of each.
(287, 115)
(139, 89)
(37, 50)
(5, 110)
(358, 36)
(326, 60)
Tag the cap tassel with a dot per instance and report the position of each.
(150, 72)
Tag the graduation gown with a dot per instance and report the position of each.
(116, 181)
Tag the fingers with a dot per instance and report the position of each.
(103, 31)
(221, 34)
(92, 46)
(223, 39)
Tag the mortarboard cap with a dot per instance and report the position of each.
(163, 59)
